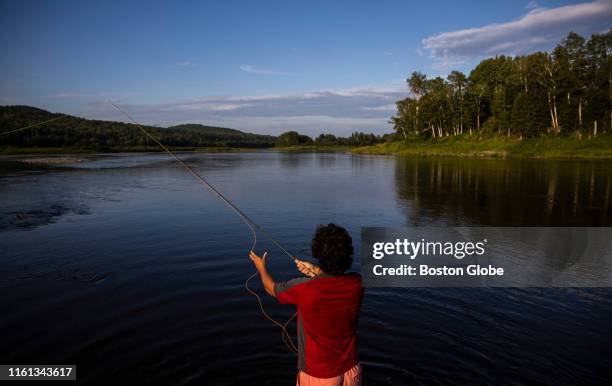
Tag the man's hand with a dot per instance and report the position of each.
(266, 279)
(307, 268)
(259, 261)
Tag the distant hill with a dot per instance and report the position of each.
(74, 132)
(208, 129)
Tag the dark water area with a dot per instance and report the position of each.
(126, 267)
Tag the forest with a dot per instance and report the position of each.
(566, 92)
(74, 132)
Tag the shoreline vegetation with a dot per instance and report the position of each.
(464, 145)
(545, 147)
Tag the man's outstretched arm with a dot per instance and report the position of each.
(266, 279)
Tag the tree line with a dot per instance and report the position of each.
(565, 92)
(293, 138)
(73, 132)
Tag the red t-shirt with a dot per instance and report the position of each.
(328, 309)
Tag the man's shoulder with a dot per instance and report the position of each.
(284, 286)
(351, 277)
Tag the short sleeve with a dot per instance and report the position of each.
(289, 292)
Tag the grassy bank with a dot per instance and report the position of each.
(543, 147)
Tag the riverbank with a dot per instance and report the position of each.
(147, 149)
(130, 149)
(548, 147)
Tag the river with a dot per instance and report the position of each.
(123, 265)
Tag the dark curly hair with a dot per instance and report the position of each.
(332, 246)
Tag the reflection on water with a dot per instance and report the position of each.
(505, 192)
(148, 285)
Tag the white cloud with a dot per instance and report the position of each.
(539, 29)
(446, 63)
(388, 53)
(258, 71)
(205, 106)
(388, 107)
(312, 112)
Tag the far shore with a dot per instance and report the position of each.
(68, 150)
(546, 147)
(71, 150)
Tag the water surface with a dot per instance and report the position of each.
(126, 267)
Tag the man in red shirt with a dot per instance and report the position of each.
(328, 302)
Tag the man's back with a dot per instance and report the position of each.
(328, 310)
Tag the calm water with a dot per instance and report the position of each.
(125, 267)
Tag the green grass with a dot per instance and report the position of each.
(552, 147)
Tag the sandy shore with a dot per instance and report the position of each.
(52, 160)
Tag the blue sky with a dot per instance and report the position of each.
(262, 66)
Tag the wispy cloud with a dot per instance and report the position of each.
(69, 94)
(388, 53)
(446, 63)
(388, 107)
(259, 71)
(77, 94)
(312, 112)
(185, 64)
(539, 29)
(532, 5)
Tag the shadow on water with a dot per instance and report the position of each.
(504, 192)
(31, 213)
(32, 218)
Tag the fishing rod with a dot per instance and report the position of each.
(252, 225)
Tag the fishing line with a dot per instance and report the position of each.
(253, 226)
(33, 125)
